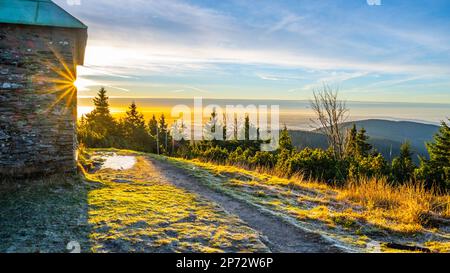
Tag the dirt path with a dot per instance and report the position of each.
(136, 207)
(278, 235)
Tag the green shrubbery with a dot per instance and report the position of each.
(360, 162)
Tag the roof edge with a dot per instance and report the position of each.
(37, 13)
(75, 18)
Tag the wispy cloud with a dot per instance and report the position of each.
(284, 24)
(335, 79)
(185, 42)
(87, 70)
(387, 83)
(279, 77)
(163, 36)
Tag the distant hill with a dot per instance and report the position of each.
(385, 135)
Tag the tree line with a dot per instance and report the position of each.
(99, 129)
(349, 156)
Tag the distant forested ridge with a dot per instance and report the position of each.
(386, 136)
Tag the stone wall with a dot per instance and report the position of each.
(37, 100)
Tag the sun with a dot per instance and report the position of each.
(82, 84)
(78, 83)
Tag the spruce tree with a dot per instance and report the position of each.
(213, 120)
(436, 170)
(350, 141)
(101, 103)
(99, 123)
(162, 124)
(211, 127)
(361, 162)
(224, 129)
(251, 132)
(285, 140)
(153, 126)
(134, 119)
(163, 133)
(403, 166)
(362, 146)
(439, 149)
(135, 130)
(236, 129)
(101, 113)
(247, 128)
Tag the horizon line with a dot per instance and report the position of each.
(262, 99)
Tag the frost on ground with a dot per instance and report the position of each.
(149, 203)
(325, 210)
(150, 214)
(116, 162)
(44, 215)
(129, 208)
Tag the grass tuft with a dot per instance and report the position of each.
(406, 208)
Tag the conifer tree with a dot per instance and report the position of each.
(134, 119)
(362, 146)
(99, 126)
(235, 129)
(350, 141)
(403, 166)
(247, 128)
(439, 149)
(153, 126)
(211, 130)
(224, 129)
(163, 134)
(135, 130)
(101, 103)
(436, 170)
(250, 131)
(101, 113)
(285, 140)
(162, 124)
(213, 120)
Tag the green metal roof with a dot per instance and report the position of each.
(37, 12)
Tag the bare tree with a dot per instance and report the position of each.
(330, 114)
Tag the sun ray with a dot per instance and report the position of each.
(63, 63)
(61, 73)
(57, 89)
(62, 85)
(60, 98)
(70, 99)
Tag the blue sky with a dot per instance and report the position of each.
(398, 51)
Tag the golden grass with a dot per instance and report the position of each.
(371, 208)
(405, 208)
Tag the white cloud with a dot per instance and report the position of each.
(334, 78)
(160, 58)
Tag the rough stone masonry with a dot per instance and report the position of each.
(38, 99)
